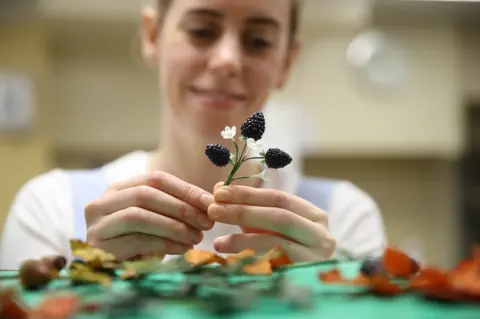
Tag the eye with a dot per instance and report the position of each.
(258, 43)
(202, 33)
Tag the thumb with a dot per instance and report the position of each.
(217, 186)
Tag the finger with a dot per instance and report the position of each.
(169, 184)
(218, 185)
(151, 199)
(274, 219)
(261, 243)
(132, 245)
(139, 220)
(238, 194)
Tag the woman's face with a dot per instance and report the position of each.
(219, 60)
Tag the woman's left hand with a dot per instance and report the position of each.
(269, 218)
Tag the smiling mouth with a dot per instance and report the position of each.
(218, 95)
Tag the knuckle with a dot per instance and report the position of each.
(280, 199)
(91, 235)
(188, 191)
(155, 178)
(183, 211)
(92, 211)
(322, 217)
(178, 229)
(283, 220)
(92, 208)
(329, 244)
(132, 215)
(240, 213)
(143, 194)
(113, 188)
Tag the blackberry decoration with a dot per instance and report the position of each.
(218, 154)
(254, 127)
(276, 158)
(371, 267)
(251, 133)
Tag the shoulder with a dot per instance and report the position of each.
(43, 196)
(41, 215)
(53, 184)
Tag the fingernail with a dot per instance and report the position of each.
(206, 200)
(204, 222)
(223, 195)
(220, 243)
(196, 237)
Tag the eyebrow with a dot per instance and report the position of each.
(261, 20)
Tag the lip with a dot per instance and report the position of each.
(217, 98)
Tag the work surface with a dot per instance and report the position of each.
(328, 301)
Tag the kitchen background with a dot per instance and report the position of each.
(393, 88)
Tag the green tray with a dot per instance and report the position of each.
(330, 301)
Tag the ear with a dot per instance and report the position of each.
(292, 57)
(149, 35)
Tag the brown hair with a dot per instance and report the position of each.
(163, 5)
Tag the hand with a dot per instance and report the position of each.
(155, 213)
(269, 218)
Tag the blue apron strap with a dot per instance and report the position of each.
(86, 185)
(318, 191)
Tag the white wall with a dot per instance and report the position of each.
(105, 96)
(421, 118)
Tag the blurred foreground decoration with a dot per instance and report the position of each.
(16, 11)
(379, 59)
(16, 103)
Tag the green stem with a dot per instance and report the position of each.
(232, 173)
(236, 149)
(235, 167)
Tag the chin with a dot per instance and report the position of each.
(207, 126)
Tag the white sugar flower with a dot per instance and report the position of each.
(254, 145)
(232, 157)
(262, 175)
(229, 132)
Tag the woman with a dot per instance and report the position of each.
(218, 61)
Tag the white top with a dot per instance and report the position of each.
(41, 219)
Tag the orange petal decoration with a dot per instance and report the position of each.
(334, 276)
(433, 283)
(199, 257)
(9, 308)
(399, 264)
(261, 267)
(235, 258)
(57, 307)
(278, 257)
(361, 280)
(466, 279)
(429, 278)
(380, 285)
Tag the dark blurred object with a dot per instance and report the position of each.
(13, 11)
(470, 180)
(458, 12)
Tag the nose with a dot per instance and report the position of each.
(226, 57)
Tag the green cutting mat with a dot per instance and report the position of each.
(330, 301)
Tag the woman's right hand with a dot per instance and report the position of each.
(156, 213)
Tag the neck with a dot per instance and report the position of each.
(182, 154)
